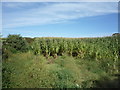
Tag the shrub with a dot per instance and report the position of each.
(15, 43)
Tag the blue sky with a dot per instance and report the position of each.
(83, 19)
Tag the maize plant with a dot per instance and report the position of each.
(97, 48)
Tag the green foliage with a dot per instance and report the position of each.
(34, 71)
(98, 48)
(60, 62)
(14, 44)
(29, 40)
(104, 50)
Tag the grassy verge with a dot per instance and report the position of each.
(26, 70)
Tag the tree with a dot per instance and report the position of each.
(15, 43)
(116, 34)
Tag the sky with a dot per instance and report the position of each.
(60, 19)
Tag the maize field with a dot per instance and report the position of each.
(52, 62)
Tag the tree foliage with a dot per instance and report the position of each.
(14, 44)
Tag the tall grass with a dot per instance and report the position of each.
(35, 71)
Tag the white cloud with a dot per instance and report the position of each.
(52, 13)
(16, 5)
(60, 0)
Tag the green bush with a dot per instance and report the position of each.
(14, 44)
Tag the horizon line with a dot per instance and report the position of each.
(61, 36)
